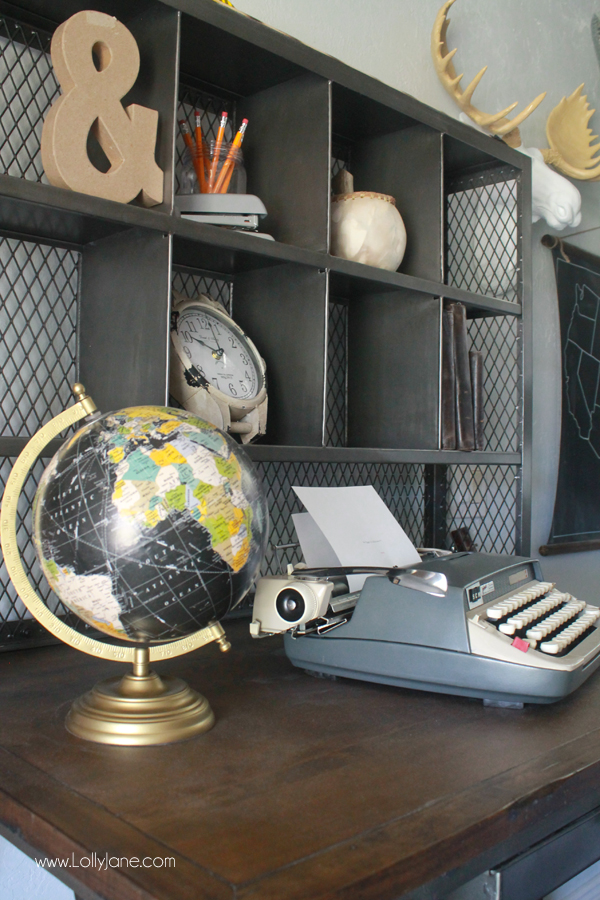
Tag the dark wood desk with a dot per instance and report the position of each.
(305, 789)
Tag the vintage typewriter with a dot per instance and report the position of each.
(474, 624)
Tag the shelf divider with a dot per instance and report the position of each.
(393, 370)
(407, 165)
(287, 155)
(283, 309)
(124, 319)
(156, 30)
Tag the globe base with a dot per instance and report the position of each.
(140, 710)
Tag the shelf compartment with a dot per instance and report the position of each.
(483, 252)
(283, 309)
(389, 153)
(408, 166)
(393, 371)
(223, 52)
(69, 219)
(487, 499)
(38, 334)
(500, 341)
(287, 153)
(400, 485)
(405, 487)
(30, 86)
(124, 319)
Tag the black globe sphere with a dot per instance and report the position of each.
(149, 523)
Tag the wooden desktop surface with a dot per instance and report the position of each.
(305, 789)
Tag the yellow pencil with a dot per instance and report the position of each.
(217, 153)
(200, 151)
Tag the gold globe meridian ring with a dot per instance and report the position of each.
(14, 566)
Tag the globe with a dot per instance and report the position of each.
(148, 523)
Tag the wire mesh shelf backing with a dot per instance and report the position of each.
(190, 283)
(340, 158)
(28, 87)
(38, 333)
(400, 486)
(485, 499)
(483, 233)
(336, 407)
(483, 255)
(17, 628)
(38, 348)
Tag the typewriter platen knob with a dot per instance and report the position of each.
(290, 604)
(282, 603)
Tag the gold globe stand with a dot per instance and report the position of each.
(139, 708)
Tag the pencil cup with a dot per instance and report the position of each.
(234, 181)
(188, 179)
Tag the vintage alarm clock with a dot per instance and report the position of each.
(216, 371)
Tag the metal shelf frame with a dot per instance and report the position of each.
(288, 292)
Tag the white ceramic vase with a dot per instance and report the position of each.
(366, 227)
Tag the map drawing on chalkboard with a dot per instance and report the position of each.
(576, 519)
(582, 366)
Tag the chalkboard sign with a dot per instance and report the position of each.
(576, 520)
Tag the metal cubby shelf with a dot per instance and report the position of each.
(56, 217)
(76, 271)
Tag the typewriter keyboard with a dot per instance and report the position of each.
(548, 619)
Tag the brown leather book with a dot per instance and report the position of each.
(465, 435)
(476, 364)
(448, 382)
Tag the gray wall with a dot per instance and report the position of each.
(529, 47)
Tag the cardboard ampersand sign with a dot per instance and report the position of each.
(91, 101)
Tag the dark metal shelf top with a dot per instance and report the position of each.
(247, 29)
(12, 446)
(32, 211)
(272, 453)
(284, 54)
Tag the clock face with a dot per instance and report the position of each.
(220, 353)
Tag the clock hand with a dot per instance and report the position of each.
(221, 351)
(217, 354)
